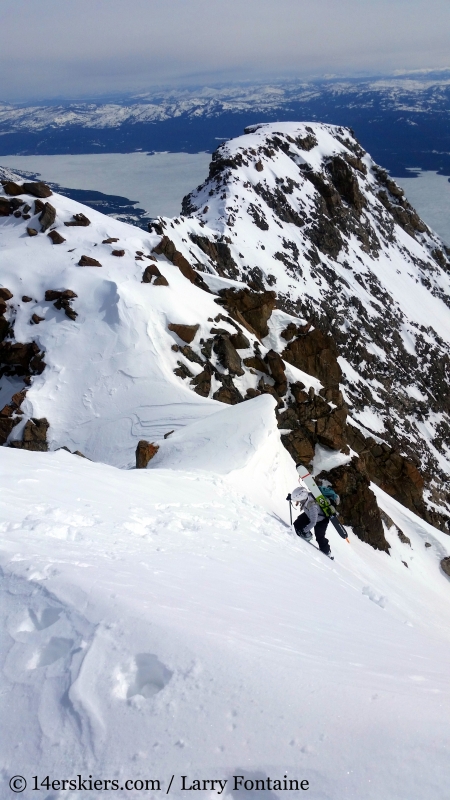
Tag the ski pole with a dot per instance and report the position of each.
(290, 506)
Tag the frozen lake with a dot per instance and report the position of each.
(158, 182)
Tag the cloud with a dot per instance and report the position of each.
(75, 47)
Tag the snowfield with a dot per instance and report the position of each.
(160, 622)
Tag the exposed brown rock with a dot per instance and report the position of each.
(391, 471)
(219, 253)
(256, 362)
(445, 565)
(346, 183)
(56, 237)
(358, 507)
(5, 208)
(202, 382)
(331, 430)
(299, 446)
(315, 353)
(5, 294)
(26, 299)
(37, 189)
(182, 371)
(34, 436)
(78, 220)
(144, 453)
(38, 206)
(239, 341)
(228, 356)
(118, 253)
(185, 332)
(166, 247)
(250, 308)
(32, 232)
(259, 166)
(278, 371)
(47, 217)
(36, 319)
(21, 359)
(12, 189)
(152, 272)
(87, 261)
(56, 294)
(228, 393)
(111, 240)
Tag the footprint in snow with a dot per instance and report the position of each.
(147, 677)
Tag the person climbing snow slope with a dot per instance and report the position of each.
(312, 516)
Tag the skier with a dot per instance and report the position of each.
(312, 516)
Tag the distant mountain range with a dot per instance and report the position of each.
(403, 120)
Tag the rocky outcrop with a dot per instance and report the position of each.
(10, 415)
(153, 275)
(277, 371)
(166, 247)
(47, 217)
(315, 353)
(252, 309)
(56, 237)
(358, 507)
(63, 299)
(22, 359)
(34, 436)
(78, 221)
(185, 332)
(145, 451)
(227, 354)
(87, 261)
(445, 565)
(36, 189)
(219, 253)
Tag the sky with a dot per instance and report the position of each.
(77, 48)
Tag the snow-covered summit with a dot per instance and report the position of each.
(301, 208)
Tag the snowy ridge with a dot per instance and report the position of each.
(304, 210)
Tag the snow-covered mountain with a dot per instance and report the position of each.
(298, 269)
(416, 92)
(304, 210)
(165, 621)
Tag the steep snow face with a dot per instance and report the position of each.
(302, 208)
(158, 622)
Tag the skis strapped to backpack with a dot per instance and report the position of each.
(325, 505)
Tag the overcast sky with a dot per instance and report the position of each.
(79, 47)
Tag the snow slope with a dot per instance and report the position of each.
(161, 623)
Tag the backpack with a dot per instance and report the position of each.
(329, 494)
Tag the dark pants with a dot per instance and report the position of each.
(319, 530)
